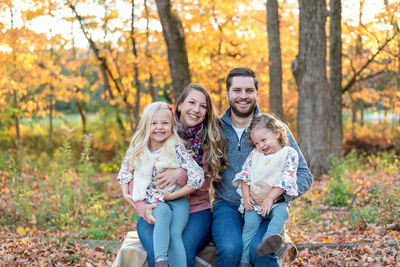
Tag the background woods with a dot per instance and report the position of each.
(75, 76)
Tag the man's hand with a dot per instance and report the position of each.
(166, 178)
(259, 195)
(148, 214)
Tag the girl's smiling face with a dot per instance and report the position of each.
(193, 109)
(265, 140)
(160, 128)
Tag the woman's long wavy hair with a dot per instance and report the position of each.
(217, 145)
(141, 138)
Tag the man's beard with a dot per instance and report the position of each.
(242, 114)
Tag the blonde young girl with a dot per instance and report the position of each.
(156, 146)
(274, 163)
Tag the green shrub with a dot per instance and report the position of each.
(340, 189)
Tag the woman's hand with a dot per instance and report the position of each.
(266, 206)
(167, 178)
(248, 203)
(148, 214)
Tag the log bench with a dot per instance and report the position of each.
(132, 254)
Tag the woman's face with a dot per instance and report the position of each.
(193, 109)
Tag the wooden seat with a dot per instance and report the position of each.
(132, 254)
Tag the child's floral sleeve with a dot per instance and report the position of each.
(288, 181)
(194, 172)
(125, 173)
(244, 174)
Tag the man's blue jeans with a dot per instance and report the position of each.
(195, 236)
(227, 234)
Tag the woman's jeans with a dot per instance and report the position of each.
(195, 236)
(252, 221)
(227, 233)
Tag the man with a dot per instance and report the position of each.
(242, 94)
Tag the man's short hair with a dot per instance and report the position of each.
(243, 72)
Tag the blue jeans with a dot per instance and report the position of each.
(227, 234)
(252, 221)
(195, 236)
(171, 218)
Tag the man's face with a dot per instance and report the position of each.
(242, 96)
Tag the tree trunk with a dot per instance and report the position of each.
(274, 55)
(51, 107)
(79, 105)
(16, 118)
(309, 69)
(82, 114)
(175, 40)
(15, 94)
(108, 89)
(335, 86)
(361, 112)
(135, 67)
(148, 54)
(359, 51)
(106, 71)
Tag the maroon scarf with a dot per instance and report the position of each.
(193, 136)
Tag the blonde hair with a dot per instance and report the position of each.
(140, 139)
(217, 145)
(269, 121)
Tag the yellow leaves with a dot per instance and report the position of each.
(94, 87)
(33, 220)
(31, 14)
(5, 190)
(20, 231)
(112, 15)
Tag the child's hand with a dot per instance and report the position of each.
(167, 195)
(248, 203)
(266, 206)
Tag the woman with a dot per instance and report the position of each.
(198, 126)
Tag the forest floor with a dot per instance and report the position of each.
(311, 222)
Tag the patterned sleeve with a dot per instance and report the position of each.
(125, 173)
(194, 172)
(288, 181)
(244, 174)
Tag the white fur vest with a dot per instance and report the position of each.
(144, 169)
(264, 168)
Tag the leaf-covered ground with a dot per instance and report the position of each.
(311, 222)
(327, 226)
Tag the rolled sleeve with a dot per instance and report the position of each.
(125, 174)
(288, 181)
(194, 172)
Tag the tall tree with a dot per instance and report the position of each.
(335, 86)
(148, 54)
(309, 69)
(175, 39)
(274, 56)
(135, 67)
